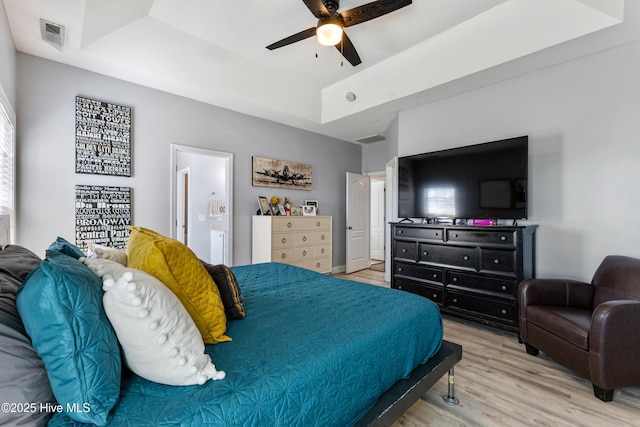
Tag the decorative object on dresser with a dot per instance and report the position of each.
(304, 241)
(263, 206)
(281, 173)
(471, 272)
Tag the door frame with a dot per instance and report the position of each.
(183, 188)
(228, 217)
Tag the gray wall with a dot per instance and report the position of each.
(7, 58)
(583, 122)
(47, 172)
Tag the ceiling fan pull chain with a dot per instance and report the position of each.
(342, 51)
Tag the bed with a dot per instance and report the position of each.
(312, 350)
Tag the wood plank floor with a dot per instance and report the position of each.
(499, 384)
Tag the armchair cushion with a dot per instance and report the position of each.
(569, 323)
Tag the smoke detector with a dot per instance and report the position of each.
(52, 34)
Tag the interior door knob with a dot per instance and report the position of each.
(348, 227)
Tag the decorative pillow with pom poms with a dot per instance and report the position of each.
(160, 341)
(99, 251)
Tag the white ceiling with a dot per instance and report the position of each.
(214, 51)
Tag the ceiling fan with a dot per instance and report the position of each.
(331, 23)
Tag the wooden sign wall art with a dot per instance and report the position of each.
(102, 215)
(103, 138)
(281, 174)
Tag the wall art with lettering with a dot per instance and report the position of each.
(102, 216)
(103, 138)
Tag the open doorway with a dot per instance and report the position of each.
(202, 202)
(377, 213)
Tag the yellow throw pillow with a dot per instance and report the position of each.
(175, 265)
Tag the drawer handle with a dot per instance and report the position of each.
(400, 269)
(322, 237)
(318, 224)
(304, 253)
(436, 234)
(284, 256)
(284, 240)
(435, 296)
(496, 261)
(503, 311)
(504, 288)
(503, 238)
(455, 300)
(400, 231)
(318, 265)
(425, 253)
(455, 235)
(304, 238)
(399, 286)
(455, 279)
(404, 251)
(466, 257)
(435, 276)
(289, 224)
(322, 250)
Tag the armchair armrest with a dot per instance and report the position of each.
(614, 344)
(566, 293)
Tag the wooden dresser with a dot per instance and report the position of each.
(472, 272)
(304, 241)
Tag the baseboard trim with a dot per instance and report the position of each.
(338, 269)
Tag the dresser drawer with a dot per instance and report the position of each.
(503, 310)
(282, 240)
(405, 250)
(311, 238)
(434, 293)
(497, 260)
(317, 223)
(320, 265)
(462, 257)
(419, 272)
(483, 283)
(420, 233)
(321, 250)
(287, 224)
(485, 237)
(285, 255)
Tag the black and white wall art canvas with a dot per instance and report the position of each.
(103, 138)
(281, 174)
(102, 215)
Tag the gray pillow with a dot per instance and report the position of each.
(23, 378)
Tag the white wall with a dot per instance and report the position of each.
(46, 169)
(583, 122)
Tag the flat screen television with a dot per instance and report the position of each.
(482, 181)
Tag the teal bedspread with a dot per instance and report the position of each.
(313, 350)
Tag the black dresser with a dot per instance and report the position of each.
(471, 272)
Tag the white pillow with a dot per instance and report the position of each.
(99, 251)
(159, 339)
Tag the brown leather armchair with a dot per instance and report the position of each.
(591, 328)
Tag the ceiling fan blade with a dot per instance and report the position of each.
(317, 8)
(310, 32)
(348, 50)
(372, 10)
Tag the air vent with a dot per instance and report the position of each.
(370, 139)
(52, 34)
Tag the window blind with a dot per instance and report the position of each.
(7, 170)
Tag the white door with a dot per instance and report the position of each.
(357, 225)
(377, 219)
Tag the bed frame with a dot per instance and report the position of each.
(395, 401)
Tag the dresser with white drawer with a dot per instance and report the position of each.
(304, 241)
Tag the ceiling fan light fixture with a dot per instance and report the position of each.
(329, 32)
